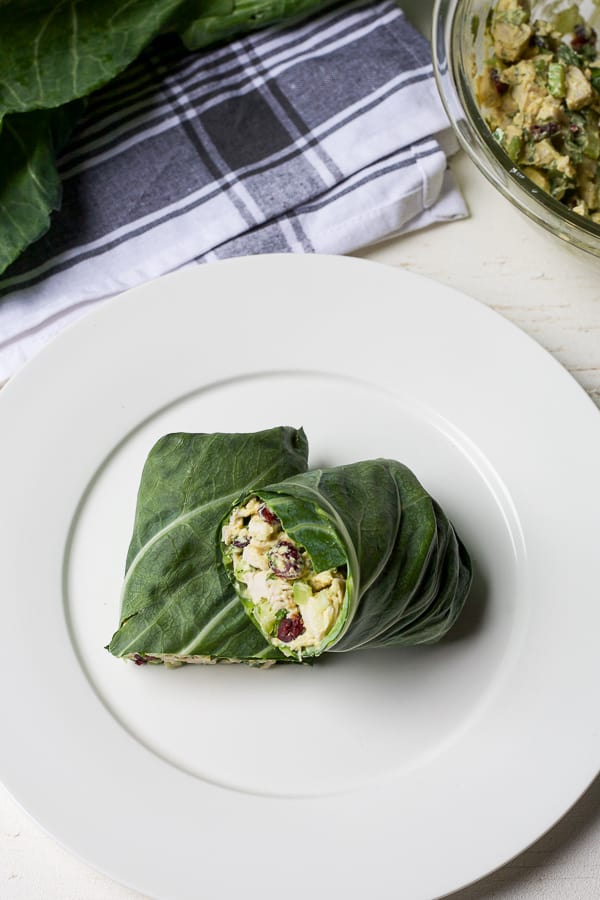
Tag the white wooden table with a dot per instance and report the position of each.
(497, 257)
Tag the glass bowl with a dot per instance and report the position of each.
(458, 53)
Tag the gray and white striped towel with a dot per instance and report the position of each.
(321, 137)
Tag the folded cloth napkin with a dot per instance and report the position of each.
(320, 137)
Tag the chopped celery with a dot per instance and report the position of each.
(514, 147)
(592, 141)
(568, 56)
(566, 20)
(556, 79)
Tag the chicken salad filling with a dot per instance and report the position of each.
(539, 91)
(292, 603)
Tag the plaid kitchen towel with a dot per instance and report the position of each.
(323, 137)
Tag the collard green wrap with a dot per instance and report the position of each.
(177, 604)
(407, 574)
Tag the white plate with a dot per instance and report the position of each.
(404, 773)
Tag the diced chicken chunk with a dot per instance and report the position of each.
(534, 103)
(547, 156)
(579, 90)
(510, 29)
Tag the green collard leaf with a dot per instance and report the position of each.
(53, 51)
(177, 601)
(408, 575)
(29, 184)
(224, 19)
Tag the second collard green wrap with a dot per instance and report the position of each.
(408, 573)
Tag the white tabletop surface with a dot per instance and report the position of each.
(499, 258)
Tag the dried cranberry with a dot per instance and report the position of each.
(583, 36)
(268, 516)
(139, 660)
(240, 542)
(501, 86)
(538, 132)
(285, 560)
(290, 628)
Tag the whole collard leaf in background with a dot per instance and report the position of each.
(30, 187)
(52, 53)
(219, 20)
(177, 602)
(55, 51)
